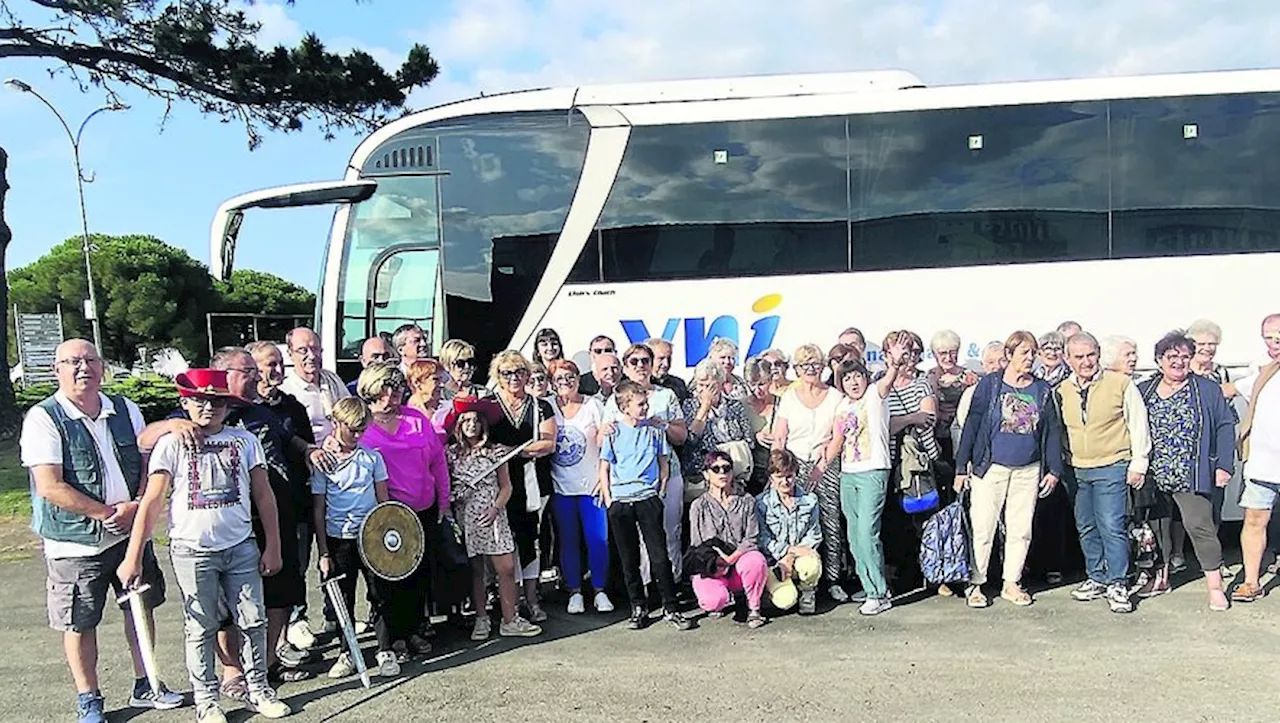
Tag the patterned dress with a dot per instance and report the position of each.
(472, 494)
(1174, 440)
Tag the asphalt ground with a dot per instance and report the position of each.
(929, 659)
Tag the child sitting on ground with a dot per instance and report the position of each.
(341, 500)
(211, 538)
(634, 468)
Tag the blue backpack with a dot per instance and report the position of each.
(945, 555)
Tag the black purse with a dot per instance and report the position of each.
(451, 550)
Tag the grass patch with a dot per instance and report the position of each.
(15, 491)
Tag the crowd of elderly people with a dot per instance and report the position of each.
(768, 482)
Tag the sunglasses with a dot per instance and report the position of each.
(538, 378)
(778, 365)
(603, 350)
(639, 361)
(211, 402)
(465, 364)
(721, 468)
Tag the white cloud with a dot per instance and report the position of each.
(277, 27)
(496, 45)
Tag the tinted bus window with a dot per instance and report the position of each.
(752, 198)
(961, 187)
(1196, 175)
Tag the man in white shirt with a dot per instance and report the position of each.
(411, 344)
(78, 445)
(318, 389)
(1260, 451)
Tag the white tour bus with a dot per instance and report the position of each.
(779, 210)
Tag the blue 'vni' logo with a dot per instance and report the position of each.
(698, 334)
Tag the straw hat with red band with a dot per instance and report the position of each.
(487, 408)
(207, 384)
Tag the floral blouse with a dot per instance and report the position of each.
(727, 422)
(1174, 438)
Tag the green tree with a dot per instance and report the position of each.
(256, 292)
(150, 293)
(201, 53)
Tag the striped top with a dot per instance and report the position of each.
(906, 400)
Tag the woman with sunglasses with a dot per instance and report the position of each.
(806, 417)
(575, 471)
(418, 476)
(664, 413)
(778, 364)
(727, 513)
(459, 360)
(547, 347)
(524, 418)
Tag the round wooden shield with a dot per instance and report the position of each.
(392, 541)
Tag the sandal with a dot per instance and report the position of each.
(278, 674)
(974, 597)
(756, 620)
(1014, 593)
(236, 689)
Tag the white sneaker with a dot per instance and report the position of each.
(519, 628)
(210, 713)
(482, 629)
(875, 606)
(362, 627)
(576, 604)
(268, 705)
(342, 667)
(387, 665)
(300, 636)
(603, 603)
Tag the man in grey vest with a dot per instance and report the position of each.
(87, 475)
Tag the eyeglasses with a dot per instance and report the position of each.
(211, 402)
(603, 350)
(639, 361)
(80, 361)
(1051, 348)
(1174, 356)
(809, 367)
(564, 380)
(511, 373)
(538, 378)
(464, 363)
(721, 468)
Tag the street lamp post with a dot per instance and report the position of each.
(81, 179)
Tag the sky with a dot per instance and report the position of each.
(165, 177)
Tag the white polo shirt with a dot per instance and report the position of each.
(1264, 440)
(318, 398)
(41, 443)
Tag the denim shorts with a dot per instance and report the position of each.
(1258, 495)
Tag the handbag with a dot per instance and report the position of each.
(916, 478)
(741, 454)
(451, 552)
(532, 492)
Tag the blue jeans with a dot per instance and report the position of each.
(580, 516)
(1102, 496)
(206, 580)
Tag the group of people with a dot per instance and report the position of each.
(749, 491)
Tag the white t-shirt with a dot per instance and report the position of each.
(317, 398)
(41, 443)
(664, 405)
(865, 425)
(808, 430)
(575, 465)
(1264, 440)
(209, 509)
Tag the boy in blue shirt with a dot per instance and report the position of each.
(634, 468)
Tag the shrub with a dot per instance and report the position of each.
(156, 397)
